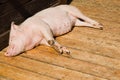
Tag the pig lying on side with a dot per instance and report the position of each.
(42, 27)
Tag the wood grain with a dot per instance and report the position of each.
(94, 54)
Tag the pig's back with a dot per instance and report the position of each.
(59, 20)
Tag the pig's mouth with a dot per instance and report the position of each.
(12, 52)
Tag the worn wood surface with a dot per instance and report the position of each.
(95, 54)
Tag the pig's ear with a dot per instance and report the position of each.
(13, 26)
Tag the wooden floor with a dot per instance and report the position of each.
(95, 54)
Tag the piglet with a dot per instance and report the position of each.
(42, 27)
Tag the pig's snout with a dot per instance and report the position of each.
(7, 54)
(10, 54)
(10, 51)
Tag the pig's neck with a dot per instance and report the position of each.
(32, 37)
(28, 41)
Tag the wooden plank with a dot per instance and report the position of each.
(78, 65)
(109, 17)
(4, 78)
(88, 41)
(95, 59)
(13, 73)
(95, 53)
(54, 71)
(100, 8)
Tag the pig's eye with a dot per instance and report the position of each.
(10, 40)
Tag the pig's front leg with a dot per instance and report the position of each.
(60, 49)
(47, 33)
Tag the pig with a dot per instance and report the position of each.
(44, 26)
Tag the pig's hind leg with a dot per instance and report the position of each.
(49, 40)
(80, 22)
(78, 14)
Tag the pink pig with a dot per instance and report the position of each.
(42, 27)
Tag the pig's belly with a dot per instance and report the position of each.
(60, 22)
(60, 27)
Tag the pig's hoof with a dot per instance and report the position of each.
(64, 50)
(101, 28)
(98, 26)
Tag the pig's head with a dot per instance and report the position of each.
(16, 45)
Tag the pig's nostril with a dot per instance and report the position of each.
(7, 54)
